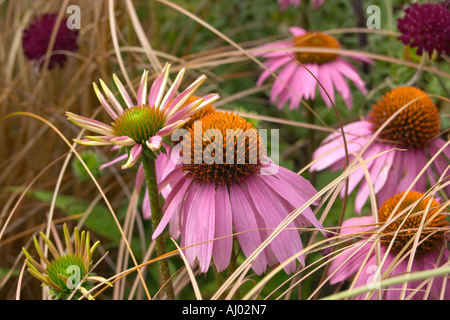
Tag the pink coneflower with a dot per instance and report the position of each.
(165, 162)
(36, 39)
(286, 3)
(426, 26)
(416, 129)
(396, 233)
(210, 197)
(294, 82)
(142, 126)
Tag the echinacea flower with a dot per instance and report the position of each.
(36, 39)
(286, 3)
(69, 272)
(416, 129)
(142, 126)
(211, 196)
(426, 26)
(402, 220)
(294, 82)
(164, 162)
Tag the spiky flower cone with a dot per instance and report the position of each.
(68, 273)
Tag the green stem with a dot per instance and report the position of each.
(152, 186)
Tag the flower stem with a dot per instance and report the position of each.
(152, 186)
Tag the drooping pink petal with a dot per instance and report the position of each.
(154, 143)
(200, 227)
(246, 227)
(297, 84)
(349, 71)
(330, 153)
(300, 185)
(358, 174)
(310, 83)
(324, 78)
(272, 65)
(171, 204)
(284, 77)
(332, 150)
(135, 153)
(296, 200)
(341, 86)
(146, 206)
(223, 229)
(172, 177)
(287, 243)
(110, 163)
(394, 175)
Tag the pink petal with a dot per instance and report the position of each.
(291, 195)
(390, 187)
(172, 90)
(223, 228)
(123, 91)
(123, 141)
(297, 32)
(297, 84)
(111, 98)
(200, 227)
(104, 103)
(342, 87)
(171, 204)
(146, 206)
(179, 101)
(135, 153)
(88, 142)
(158, 87)
(110, 163)
(325, 79)
(90, 124)
(342, 268)
(142, 91)
(357, 225)
(283, 78)
(154, 143)
(273, 51)
(310, 83)
(287, 243)
(272, 65)
(246, 227)
(349, 71)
